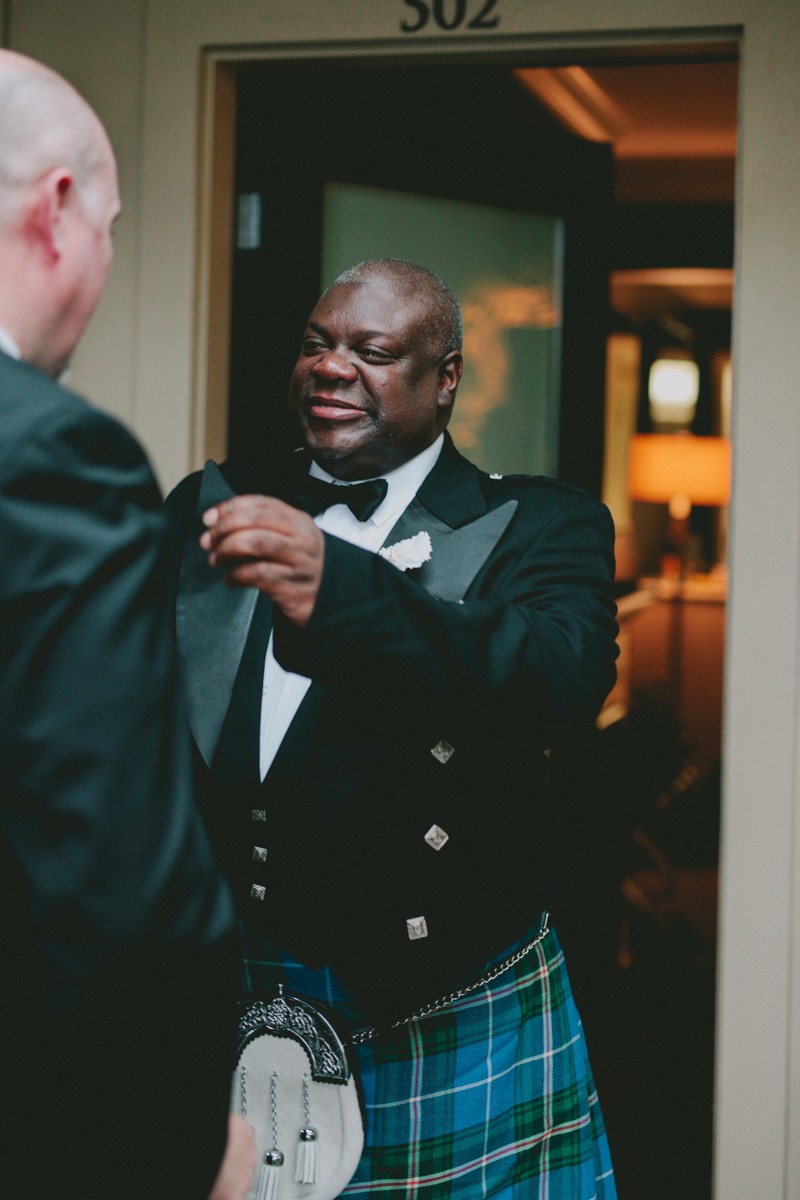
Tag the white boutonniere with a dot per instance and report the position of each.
(410, 553)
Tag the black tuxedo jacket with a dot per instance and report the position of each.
(117, 936)
(435, 695)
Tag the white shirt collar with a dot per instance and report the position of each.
(404, 481)
(8, 345)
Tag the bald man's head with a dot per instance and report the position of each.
(45, 123)
(58, 202)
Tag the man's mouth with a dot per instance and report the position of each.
(333, 408)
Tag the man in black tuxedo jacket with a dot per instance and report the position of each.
(118, 943)
(373, 692)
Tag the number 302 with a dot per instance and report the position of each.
(449, 14)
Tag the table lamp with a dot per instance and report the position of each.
(679, 470)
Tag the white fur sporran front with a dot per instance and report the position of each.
(295, 1085)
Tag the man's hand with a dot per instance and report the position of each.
(236, 1170)
(261, 542)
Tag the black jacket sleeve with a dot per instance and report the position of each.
(535, 633)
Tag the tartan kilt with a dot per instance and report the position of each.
(492, 1096)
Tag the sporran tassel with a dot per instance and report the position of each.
(269, 1180)
(270, 1176)
(306, 1164)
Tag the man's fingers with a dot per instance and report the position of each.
(265, 576)
(248, 543)
(254, 513)
(242, 511)
(244, 506)
(258, 541)
(294, 594)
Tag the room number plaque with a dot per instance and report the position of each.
(450, 14)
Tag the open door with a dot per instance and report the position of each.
(454, 167)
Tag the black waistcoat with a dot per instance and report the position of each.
(251, 821)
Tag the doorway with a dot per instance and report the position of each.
(650, 1018)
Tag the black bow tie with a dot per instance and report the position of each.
(314, 495)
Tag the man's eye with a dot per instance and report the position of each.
(313, 346)
(372, 354)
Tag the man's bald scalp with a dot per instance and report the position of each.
(44, 123)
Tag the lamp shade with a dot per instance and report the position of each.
(662, 466)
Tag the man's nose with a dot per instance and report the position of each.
(335, 364)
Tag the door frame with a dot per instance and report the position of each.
(189, 50)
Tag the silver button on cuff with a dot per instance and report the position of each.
(443, 751)
(259, 853)
(416, 927)
(257, 892)
(259, 814)
(436, 837)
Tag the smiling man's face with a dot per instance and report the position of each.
(367, 390)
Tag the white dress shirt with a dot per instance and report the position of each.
(8, 345)
(284, 691)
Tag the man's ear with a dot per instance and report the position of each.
(450, 369)
(47, 216)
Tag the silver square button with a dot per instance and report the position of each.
(259, 814)
(436, 837)
(443, 751)
(417, 927)
(257, 892)
(259, 853)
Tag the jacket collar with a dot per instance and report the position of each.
(452, 491)
(451, 508)
(212, 623)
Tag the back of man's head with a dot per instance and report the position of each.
(44, 123)
(58, 199)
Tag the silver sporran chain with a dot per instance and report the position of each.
(359, 1036)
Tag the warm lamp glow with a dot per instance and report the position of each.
(663, 466)
(673, 388)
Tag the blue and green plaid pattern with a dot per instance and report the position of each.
(490, 1097)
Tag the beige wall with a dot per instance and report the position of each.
(99, 47)
(143, 64)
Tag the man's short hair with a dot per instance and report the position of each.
(445, 328)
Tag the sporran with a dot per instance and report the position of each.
(295, 1084)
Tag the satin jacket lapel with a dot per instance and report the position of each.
(212, 626)
(463, 530)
